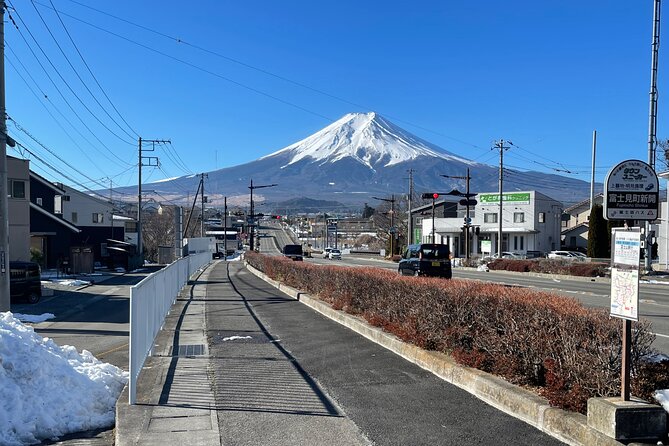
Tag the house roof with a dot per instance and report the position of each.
(65, 223)
(573, 228)
(47, 183)
(583, 203)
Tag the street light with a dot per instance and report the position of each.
(390, 200)
(467, 201)
(253, 216)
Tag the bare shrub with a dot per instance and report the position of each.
(531, 338)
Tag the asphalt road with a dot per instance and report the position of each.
(95, 318)
(328, 374)
(653, 305)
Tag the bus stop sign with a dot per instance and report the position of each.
(631, 192)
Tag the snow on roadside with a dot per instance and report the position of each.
(34, 318)
(47, 391)
(70, 282)
(235, 338)
(662, 397)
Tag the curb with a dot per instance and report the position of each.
(569, 427)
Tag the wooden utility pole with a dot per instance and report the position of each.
(500, 145)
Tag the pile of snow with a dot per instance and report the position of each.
(47, 391)
(34, 318)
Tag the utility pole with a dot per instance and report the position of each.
(392, 231)
(202, 177)
(150, 162)
(652, 120)
(500, 145)
(592, 175)
(225, 228)
(111, 201)
(4, 204)
(468, 221)
(410, 219)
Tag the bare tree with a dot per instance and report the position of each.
(158, 230)
(663, 161)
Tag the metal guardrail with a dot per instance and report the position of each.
(150, 302)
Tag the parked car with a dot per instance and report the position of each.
(511, 255)
(25, 282)
(566, 255)
(326, 253)
(426, 259)
(533, 255)
(335, 254)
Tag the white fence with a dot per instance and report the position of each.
(150, 301)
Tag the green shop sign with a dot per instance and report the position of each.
(520, 198)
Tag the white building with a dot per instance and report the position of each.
(530, 222)
(662, 230)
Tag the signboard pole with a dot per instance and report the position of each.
(625, 254)
(627, 355)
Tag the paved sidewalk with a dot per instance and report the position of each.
(175, 400)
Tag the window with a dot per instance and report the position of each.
(542, 217)
(74, 217)
(39, 201)
(515, 243)
(98, 217)
(519, 217)
(17, 188)
(522, 242)
(490, 218)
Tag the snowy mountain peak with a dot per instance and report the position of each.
(365, 137)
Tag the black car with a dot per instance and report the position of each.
(25, 281)
(427, 259)
(293, 252)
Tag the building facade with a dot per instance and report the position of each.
(530, 222)
(18, 179)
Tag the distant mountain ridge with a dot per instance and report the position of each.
(356, 157)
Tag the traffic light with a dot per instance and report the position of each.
(430, 196)
(276, 217)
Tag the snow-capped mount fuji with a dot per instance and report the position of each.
(355, 158)
(366, 138)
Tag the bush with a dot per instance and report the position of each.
(551, 266)
(570, 352)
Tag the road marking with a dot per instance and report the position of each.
(113, 349)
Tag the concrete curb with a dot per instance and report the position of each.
(569, 427)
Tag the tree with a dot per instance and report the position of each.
(663, 149)
(157, 230)
(598, 234)
(367, 211)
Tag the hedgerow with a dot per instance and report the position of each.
(568, 352)
(551, 266)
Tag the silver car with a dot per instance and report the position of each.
(335, 254)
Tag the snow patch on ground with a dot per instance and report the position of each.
(234, 338)
(34, 318)
(662, 397)
(70, 282)
(47, 391)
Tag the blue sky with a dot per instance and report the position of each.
(458, 74)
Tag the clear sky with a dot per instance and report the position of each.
(249, 78)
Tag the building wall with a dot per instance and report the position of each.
(661, 235)
(532, 234)
(85, 206)
(19, 210)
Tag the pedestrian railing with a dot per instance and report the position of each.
(150, 302)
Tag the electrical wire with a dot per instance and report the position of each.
(79, 76)
(69, 87)
(65, 99)
(91, 71)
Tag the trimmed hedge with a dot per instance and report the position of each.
(568, 352)
(551, 266)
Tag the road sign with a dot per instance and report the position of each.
(468, 220)
(631, 192)
(470, 203)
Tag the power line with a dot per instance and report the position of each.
(258, 69)
(63, 96)
(89, 69)
(79, 76)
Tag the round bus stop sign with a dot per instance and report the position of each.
(631, 192)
